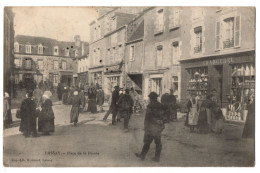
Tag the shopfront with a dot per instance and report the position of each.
(233, 76)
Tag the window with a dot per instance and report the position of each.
(56, 50)
(28, 49)
(64, 65)
(16, 47)
(56, 65)
(175, 52)
(159, 22)
(174, 18)
(198, 39)
(17, 63)
(40, 64)
(114, 81)
(228, 33)
(156, 85)
(159, 55)
(55, 78)
(132, 53)
(40, 49)
(175, 86)
(28, 64)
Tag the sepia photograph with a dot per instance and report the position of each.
(119, 86)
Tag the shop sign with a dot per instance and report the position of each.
(218, 61)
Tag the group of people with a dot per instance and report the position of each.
(35, 109)
(93, 95)
(205, 114)
(121, 107)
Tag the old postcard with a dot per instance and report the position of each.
(129, 87)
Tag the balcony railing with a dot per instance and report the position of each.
(197, 49)
(228, 43)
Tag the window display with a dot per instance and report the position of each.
(243, 85)
(198, 80)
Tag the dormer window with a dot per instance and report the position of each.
(56, 50)
(28, 48)
(67, 52)
(16, 47)
(40, 49)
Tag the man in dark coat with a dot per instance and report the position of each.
(28, 116)
(113, 106)
(125, 104)
(172, 106)
(100, 99)
(153, 127)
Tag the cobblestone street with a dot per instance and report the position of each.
(97, 143)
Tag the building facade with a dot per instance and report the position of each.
(162, 50)
(134, 54)
(107, 47)
(44, 59)
(8, 50)
(219, 53)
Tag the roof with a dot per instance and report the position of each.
(138, 33)
(135, 29)
(48, 45)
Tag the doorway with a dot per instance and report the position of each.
(217, 80)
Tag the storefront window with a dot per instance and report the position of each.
(198, 80)
(243, 85)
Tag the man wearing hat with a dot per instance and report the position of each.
(153, 127)
(113, 106)
(125, 104)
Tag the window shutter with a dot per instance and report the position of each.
(177, 17)
(217, 36)
(237, 31)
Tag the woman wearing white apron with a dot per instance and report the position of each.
(193, 112)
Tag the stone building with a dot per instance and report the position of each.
(107, 47)
(45, 59)
(162, 50)
(8, 50)
(218, 52)
(134, 54)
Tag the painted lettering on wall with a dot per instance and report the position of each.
(218, 61)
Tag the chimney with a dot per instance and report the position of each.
(77, 40)
(82, 49)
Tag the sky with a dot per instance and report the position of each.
(61, 23)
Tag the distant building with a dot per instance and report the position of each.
(107, 47)
(45, 59)
(8, 50)
(134, 54)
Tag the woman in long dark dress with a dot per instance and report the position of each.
(92, 96)
(28, 116)
(46, 118)
(203, 125)
(249, 128)
(75, 102)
